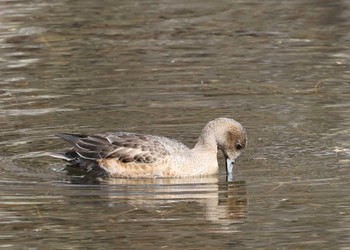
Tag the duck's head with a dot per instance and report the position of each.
(230, 138)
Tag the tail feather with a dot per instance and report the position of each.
(72, 138)
(75, 161)
(67, 156)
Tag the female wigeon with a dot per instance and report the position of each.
(132, 155)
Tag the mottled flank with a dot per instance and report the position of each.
(131, 155)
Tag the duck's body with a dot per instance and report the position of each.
(131, 155)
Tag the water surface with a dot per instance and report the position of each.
(167, 68)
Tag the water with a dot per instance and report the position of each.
(165, 67)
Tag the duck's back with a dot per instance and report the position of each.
(126, 148)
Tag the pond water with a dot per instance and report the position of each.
(281, 68)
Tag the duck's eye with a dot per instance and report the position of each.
(238, 146)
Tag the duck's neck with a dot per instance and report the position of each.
(207, 142)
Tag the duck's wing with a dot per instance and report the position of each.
(124, 147)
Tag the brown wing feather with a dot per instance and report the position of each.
(125, 147)
(136, 148)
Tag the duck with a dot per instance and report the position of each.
(136, 155)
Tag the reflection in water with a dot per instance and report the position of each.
(223, 204)
(45, 214)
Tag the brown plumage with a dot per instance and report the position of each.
(132, 155)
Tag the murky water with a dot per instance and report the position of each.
(281, 68)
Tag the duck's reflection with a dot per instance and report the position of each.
(217, 201)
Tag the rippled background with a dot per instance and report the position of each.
(281, 68)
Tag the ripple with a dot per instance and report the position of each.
(33, 112)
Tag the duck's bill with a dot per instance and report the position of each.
(229, 165)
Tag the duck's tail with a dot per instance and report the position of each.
(67, 156)
(70, 155)
(71, 138)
